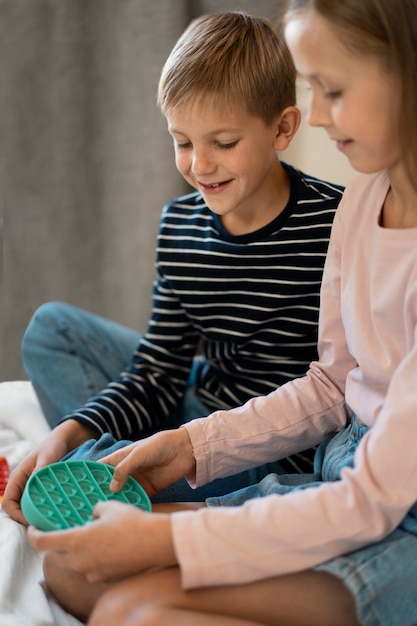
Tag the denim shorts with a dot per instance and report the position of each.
(382, 577)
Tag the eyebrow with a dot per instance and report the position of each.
(218, 131)
(308, 76)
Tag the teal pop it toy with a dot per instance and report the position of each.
(63, 495)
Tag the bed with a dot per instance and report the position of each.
(23, 599)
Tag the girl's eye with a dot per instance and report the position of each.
(228, 146)
(332, 95)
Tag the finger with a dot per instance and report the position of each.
(123, 470)
(13, 510)
(115, 457)
(99, 510)
(16, 485)
(56, 541)
(103, 507)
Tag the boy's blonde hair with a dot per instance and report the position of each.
(236, 58)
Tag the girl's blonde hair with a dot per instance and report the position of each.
(236, 58)
(386, 29)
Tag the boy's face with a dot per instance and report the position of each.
(230, 157)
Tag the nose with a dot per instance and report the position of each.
(202, 162)
(318, 112)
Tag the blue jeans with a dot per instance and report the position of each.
(70, 355)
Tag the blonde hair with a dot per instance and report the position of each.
(388, 31)
(235, 58)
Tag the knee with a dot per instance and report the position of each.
(146, 600)
(43, 324)
(48, 314)
(150, 615)
(70, 590)
(110, 609)
(114, 611)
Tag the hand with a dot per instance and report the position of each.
(155, 462)
(121, 541)
(54, 446)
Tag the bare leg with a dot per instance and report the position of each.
(160, 616)
(314, 598)
(72, 590)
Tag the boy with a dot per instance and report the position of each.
(239, 265)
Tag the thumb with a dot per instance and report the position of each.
(100, 509)
(53, 540)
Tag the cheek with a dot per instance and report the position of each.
(181, 162)
(353, 115)
(260, 162)
(249, 160)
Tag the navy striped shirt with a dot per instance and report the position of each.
(249, 304)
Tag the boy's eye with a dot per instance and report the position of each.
(183, 146)
(186, 145)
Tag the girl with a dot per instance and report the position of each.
(339, 546)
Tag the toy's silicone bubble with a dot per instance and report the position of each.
(69, 490)
(48, 484)
(79, 473)
(86, 486)
(64, 494)
(77, 503)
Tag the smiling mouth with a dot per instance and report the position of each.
(214, 186)
(342, 143)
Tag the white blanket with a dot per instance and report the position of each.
(23, 601)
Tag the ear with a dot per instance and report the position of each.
(286, 126)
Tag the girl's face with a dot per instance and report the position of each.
(229, 156)
(352, 98)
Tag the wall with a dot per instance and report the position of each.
(86, 163)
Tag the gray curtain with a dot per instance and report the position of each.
(86, 163)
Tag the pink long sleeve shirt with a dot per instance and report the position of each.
(367, 365)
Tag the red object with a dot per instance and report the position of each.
(4, 475)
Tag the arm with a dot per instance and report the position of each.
(138, 402)
(296, 531)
